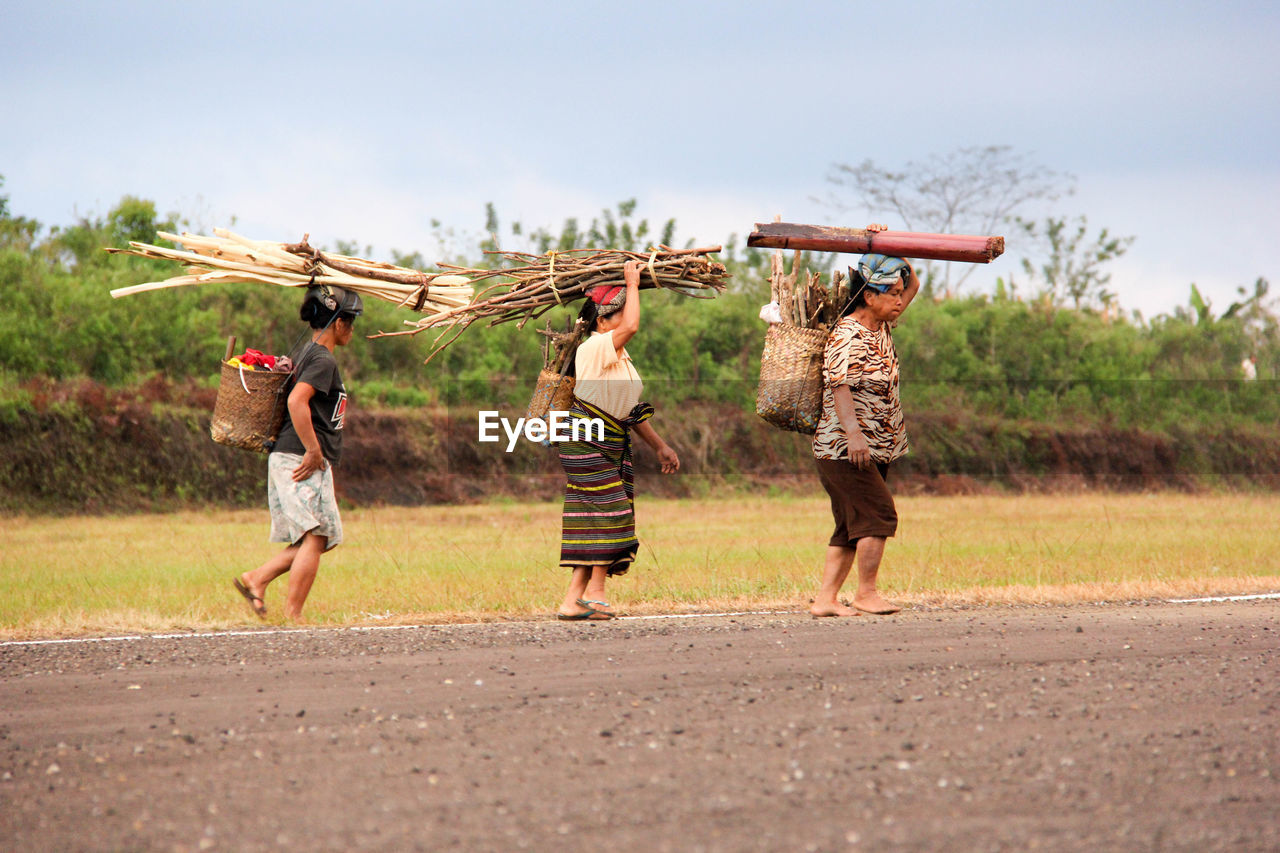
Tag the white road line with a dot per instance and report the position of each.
(698, 615)
(136, 637)
(267, 632)
(1225, 598)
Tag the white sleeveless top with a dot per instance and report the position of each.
(605, 379)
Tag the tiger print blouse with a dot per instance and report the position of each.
(866, 361)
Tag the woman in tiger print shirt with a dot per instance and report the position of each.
(861, 432)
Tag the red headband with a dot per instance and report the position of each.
(604, 293)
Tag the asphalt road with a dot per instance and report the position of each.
(1145, 726)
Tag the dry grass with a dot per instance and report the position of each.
(62, 577)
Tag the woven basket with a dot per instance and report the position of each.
(250, 408)
(790, 392)
(553, 392)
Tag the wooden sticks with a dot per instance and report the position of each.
(229, 257)
(558, 348)
(522, 288)
(530, 285)
(802, 299)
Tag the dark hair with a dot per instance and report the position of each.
(857, 291)
(325, 303)
(589, 314)
(316, 314)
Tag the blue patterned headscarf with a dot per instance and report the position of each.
(881, 272)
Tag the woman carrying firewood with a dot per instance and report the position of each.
(304, 511)
(599, 534)
(861, 432)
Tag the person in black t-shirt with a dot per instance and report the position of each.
(304, 511)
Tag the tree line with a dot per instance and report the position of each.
(1064, 353)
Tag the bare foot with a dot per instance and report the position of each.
(255, 589)
(836, 609)
(874, 604)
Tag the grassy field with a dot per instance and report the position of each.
(103, 575)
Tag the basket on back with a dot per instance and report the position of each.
(790, 392)
(250, 408)
(789, 395)
(553, 391)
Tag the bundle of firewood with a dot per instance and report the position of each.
(527, 286)
(803, 301)
(558, 348)
(228, 257)
(554, 389)
(521, 288)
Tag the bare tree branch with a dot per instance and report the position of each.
(970, 190)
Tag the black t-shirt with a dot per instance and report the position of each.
(318, 368)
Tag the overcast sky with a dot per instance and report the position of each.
(366, 121)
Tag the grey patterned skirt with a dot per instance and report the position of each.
(301, 508)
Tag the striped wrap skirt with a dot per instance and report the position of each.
(599, 523)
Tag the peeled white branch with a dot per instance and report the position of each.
(228, 257)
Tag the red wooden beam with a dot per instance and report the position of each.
(905, 244)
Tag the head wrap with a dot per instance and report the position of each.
(325, 303)
(608, 299)
(338, 300)
(881, 272)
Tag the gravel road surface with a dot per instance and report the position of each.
(1146, 726)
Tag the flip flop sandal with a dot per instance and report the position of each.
(596, 605)
(590, 615)
(259, 606)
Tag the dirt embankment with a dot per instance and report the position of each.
(83, 448)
